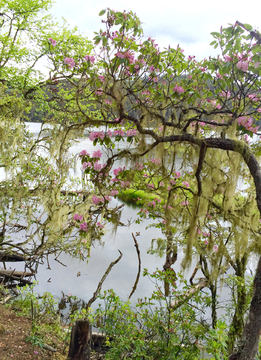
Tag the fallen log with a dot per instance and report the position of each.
(11, 257)
(16, 273)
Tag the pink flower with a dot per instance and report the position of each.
(227, 58)
(139, 166)
(161, 128)
(107, 197)
(100, 225)
(97, 154)
(131, 132)
(177, 174)
(84, 227)
(53, 42)
(243, 65)
(117, 171)
(70, 62)
(185, 183)
(89, 58)
(156, 161)
(161, 183)
(83, 153)
(77, 217)
(97, 166)
(96, 200)
(215, 247)
(179, 89)
(114, 192)
(152, 186)
(185, 203)
(118, 132)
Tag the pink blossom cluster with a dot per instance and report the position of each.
(118, 170)
(96, 200)
(131, 132)
(125, 184)
(84, 153)
(97, 154)
(156, 161)
(179, 89)
(84, 227)
(243, 65)
(126, 55)
(139, 166)
(77, 217)
(185, 183)
(177, 174)
(89, 58)
(97, 135)
(114, 192)
(69, 61)
(185, 203)
(247, 123)
(151, 203)
(118, 132)
(53, 42)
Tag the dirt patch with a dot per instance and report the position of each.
(14, 330)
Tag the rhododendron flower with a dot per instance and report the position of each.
(177, 174)
(84, 227)
(185, 203)
(101, 226)
(131, 132)
(97, 166)
(139, 166)
(83, 153)
(227, 58)
(151, 186)
(185, 183)
(89, 58)
(215, 247)
(179, 89)
(77, 217)
(243, 65)
(114, 192)
(156, 161)
(97, 154)
(54, 42)
(96, 135)
(96, 200)
(118, 132)
(161, 183)
(117, 171)
(70, 62)
(107, 197)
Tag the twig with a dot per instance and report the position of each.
(95, 294)
(138, 275)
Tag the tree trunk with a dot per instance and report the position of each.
(80, 345)
(248, 347)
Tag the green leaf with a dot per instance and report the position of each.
(213, 42)
(248, 27)
(102, 12)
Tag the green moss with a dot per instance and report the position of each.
(137, 196)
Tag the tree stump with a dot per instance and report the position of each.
(80, 345)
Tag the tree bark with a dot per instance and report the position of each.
(80, 344)
(248, 347)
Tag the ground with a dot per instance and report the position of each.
(14, 330)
